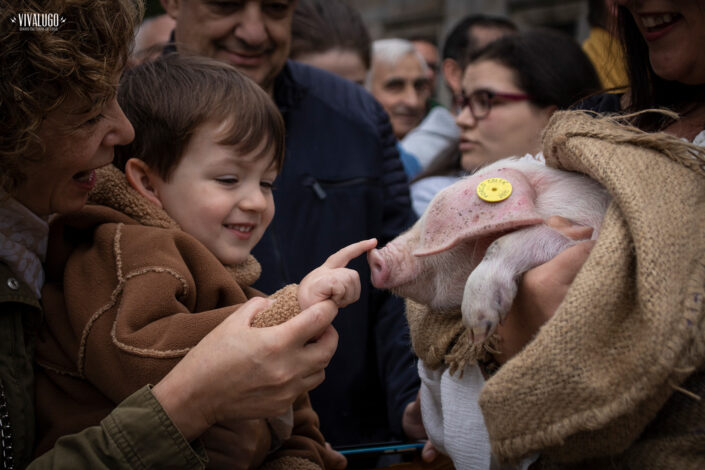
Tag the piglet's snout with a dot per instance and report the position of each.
(379, 269)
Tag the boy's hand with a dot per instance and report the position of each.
(333, 280)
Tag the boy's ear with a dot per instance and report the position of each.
(142, 179)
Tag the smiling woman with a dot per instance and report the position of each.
(35, 105)
(58, 177)
(663, 45)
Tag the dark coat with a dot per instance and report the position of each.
(342, 182)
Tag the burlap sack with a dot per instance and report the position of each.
(630, 331)
(441, 339)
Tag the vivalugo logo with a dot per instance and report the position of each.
(38, 21)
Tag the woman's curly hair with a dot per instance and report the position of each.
(41, 68)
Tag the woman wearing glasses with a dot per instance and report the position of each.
(510, 89)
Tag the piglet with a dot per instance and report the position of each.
(478, 236)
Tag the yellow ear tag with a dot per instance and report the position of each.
(494, 189)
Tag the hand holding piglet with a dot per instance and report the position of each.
(542, 289)
(332, 280)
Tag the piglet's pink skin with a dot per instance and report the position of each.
(469, 253)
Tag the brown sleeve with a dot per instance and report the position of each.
(286, 306)
(168, 293)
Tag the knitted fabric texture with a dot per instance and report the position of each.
(629, 337)
(287, 306)
(290, 463)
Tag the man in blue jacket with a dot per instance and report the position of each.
(342, 181)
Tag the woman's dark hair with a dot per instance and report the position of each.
(322, 25)
(549, 66)
(648, 90)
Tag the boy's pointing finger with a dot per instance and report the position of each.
(342, 257)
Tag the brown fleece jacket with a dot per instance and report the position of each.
(127, 295)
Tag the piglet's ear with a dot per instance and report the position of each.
(457, 214)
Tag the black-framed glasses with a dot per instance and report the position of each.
(480, 101)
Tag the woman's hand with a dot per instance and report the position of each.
(542, 290)
(411, 422)
(413, 427)
(241, 372)
(332, 280)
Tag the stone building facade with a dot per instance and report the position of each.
(433, 18)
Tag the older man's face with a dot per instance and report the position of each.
(402, 89)
(252, 35)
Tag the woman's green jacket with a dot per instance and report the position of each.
(136, 435)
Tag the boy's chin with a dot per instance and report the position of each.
(234, 260)
(231, 257)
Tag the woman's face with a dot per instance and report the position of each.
(674, 31)
(510, 128)
(62, 172)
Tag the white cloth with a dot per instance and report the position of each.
(453, 419)
(435, 134)
(23, 242)
(423, 190)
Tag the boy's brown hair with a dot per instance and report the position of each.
(166, 100)
(42, 67)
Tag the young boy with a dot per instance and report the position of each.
(166, 248)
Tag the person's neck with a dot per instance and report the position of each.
(690, 124)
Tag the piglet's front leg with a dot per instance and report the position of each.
(492, 285)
